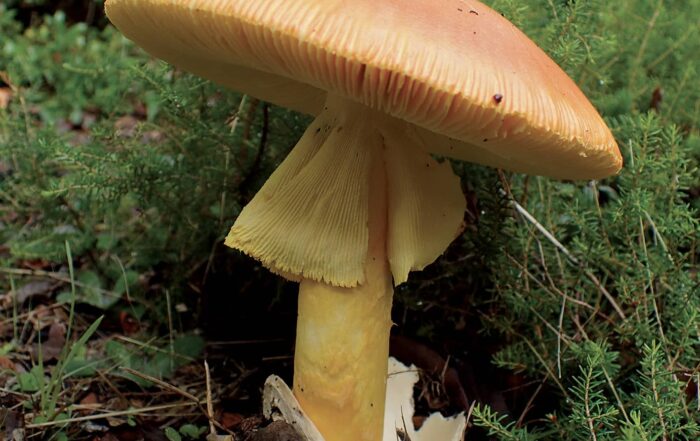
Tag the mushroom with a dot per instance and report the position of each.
(361, 201)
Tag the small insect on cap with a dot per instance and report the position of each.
(473, 85)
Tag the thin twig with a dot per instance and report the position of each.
(161, 383)
(200, 404)
(113, 414)
(560, 334)
(61, 277)
(528, 406)
(254, 168)
(171, 338)
(153, 348)
(546, 289)
(550, 237)
(210, 404)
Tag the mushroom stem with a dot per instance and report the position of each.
(342, 344)
(356, 205)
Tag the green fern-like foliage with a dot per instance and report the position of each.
(625, 272)
(498, 426)
(143, 169)
(593, 416)
(136, 165)
(655, 402)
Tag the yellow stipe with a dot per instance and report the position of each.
(342, 346)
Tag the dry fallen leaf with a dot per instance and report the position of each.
(12, 425)
(53, 346)
(219, 438)
(128, 323)
(35, 264)
(6, 363)
(231, 420)
(34, 288)
(126, 126)
(90, 399)
(277, 431)
(116, 422)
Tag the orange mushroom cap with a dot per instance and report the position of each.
(473, 85)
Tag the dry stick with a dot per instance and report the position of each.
(15, 311)
(547, 367)
(657, 314)
(650, 278)
(530, 218)
(559, 330)
(659, 237)
(185, 394)
(650, 26)
(150, 347)
(89, 252)
(61, 277)
(15, 393)
(697, 390)
(469, 413)
(91, 12)
(522, 211)
(113, 414)
(546, 289)
(528, 406)
(245, 141)
(224, 186)
(171, 339)
(277, 358)
(522, 385)
(550, 373)
(111, 385)
(254, 167)
(227, 156)
(599, 212)
(245, 342)
(210, 404)
(560, 333)
(161, 383)
(127, 292)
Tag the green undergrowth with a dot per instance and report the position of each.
(134, 164)
(587, 289)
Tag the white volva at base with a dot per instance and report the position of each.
(279, 404)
